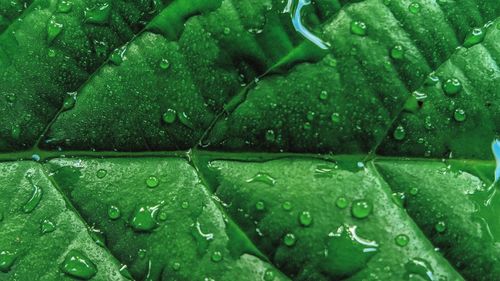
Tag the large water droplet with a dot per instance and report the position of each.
(77, 264)
(99, 14)
(459, 115)
(414, 8)
(452, 86)
(421, 268)
(114, 212)
(346, 253)
(263, 178)
(361, 208)
(305, 218)
(144, 218)
(53, 30)
(7, 259)
(216, 256)
(397, 52)
(289, 239)
(169, 116)
(35, 198)
(358, 28)
(152, 182)
(47, 226)
(476, 36)
(402, 240)
(399, 133)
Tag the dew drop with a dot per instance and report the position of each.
(459, 115)
(341, 202)
(268, 275)
(47, 226)
(397, 52)
(452, 86)
(289, 239)
(413, 191)
(323, 95)
(185, 204)
(53, 30)
(476, 36)
(287, 205)
(164, 64)
(227, 30)
(101, 173)
(402, 240)
(185, 120)
(7, 259)
(263, 178)
(152, 182)
(36, 157)
(169, 116)
(361, 208)
(270, 136)
(421, 268)
(358, 28)
(432, 79)
(305, 218)
(216, 256)
(310, 115)
(36, 196)
(440, 226)
(78, 265)
(399, 133)
(144, 218)
(51, 53)
(414, 8)
(114, 212)
(176, 266)
(64, 6)
(335, 117)
(260, 206)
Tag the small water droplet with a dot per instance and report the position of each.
(64, 6)
(47, 226)
(164, 64)
(152, 182)
(421, 268)
(78, 265)
(341, 202)
(227, 30)
(176, 266)
(263, 178)
(185, 120)
(169, 116)
(260, 206)
(452, 86)
(36, 157)
(305, 218)
(268, 275)
(51, 53)
(399, 133)
(361, 208)
(397, 52)
(323, 95)
(310, 115)
(440, 226)
(7, 259)
(432, 79)
(402, 240)
(414, 8)
(114, 212)
(287, 205)
(459, 115)
(414, 191)
(216, 256)
(101, 173)
(289, 239)
(99, 14)
(335, 117)
(185, 204)
(358, 28)
(270, 136)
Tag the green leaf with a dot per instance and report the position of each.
(249, 140)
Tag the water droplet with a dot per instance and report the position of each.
(440, 226)
(263, 178)
(289, 239)
(152, 182)
(99, 14)
(459, 115)
(361, 208)
(144, 218)
(341, 202)
(118, 55)
(164, 64)
(310, 115)
(397, 52)
(323, 95)
(141, 253)
(47, 226)
(185, 204)
(335, 117)
(78, 265)
(287, 205)
(452, 86)
(53, 30)
(402, 240)
(176, 266)
(7, 259)
(114, 212)
(358, 28)
(414, 8)
(101, 173)
(51, 53)
(36, 157)
(270, 136)
(432, 79)
(307, 126)
(476, 36)
(185, 120)
(268, 275)
(35, 198)
(414, 191)
(305, 218)
(169, 116)
(227, 30)
(421, 268)
(64, 6)
(69, 101)
(260, 206)
(399, 133)
(346, 253)
(216, 256)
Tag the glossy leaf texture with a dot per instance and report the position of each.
(249, 140)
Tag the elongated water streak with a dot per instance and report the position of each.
(295, 12)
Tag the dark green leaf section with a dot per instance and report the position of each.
(458, 111)
(10, 10)
(447, 201)
(50, 52)
(40, 230)
(325, 220)
(159, 219)
(187, 75)
(379, 55)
